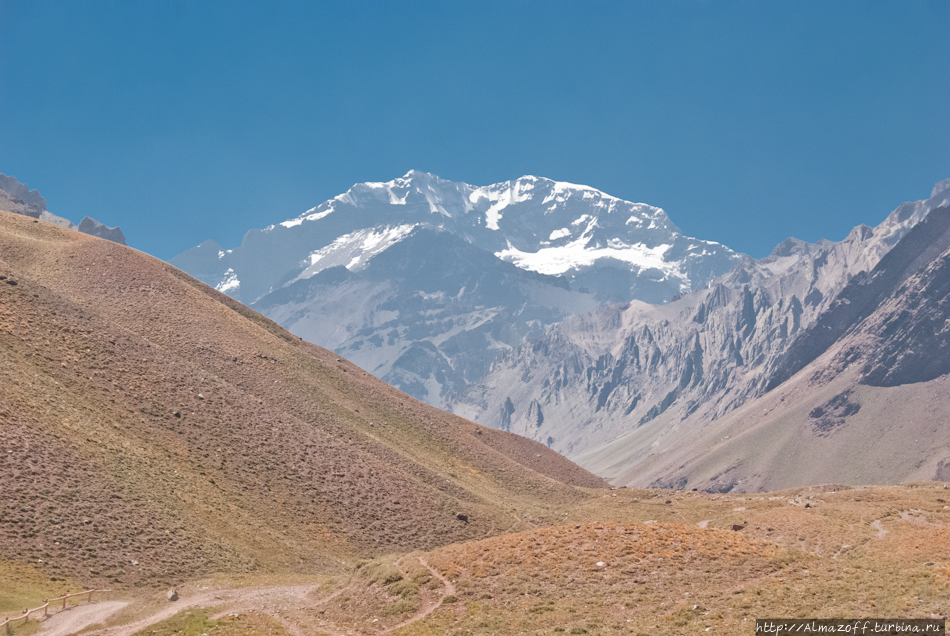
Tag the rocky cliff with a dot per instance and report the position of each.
(666, 370)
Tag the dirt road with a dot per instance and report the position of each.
(76, 618)
(222, 600)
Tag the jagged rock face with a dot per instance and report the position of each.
(94, 228)
(424, 281)
(870, 407)
(673, 367)
(863, 295)
(900, 312)
(16, 197)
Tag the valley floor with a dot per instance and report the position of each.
(626, 562)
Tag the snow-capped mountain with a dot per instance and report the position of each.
(636, 392)
(422, 281)
(537, 224)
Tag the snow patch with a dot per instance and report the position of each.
(556, 234)
(501, 197)
(230, 282)
(309, 215)
(354, 250)
(576, 255)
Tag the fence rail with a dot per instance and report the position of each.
(25, 616)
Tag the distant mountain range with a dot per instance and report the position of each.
(423, 281)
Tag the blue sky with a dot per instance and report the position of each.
(747, 121)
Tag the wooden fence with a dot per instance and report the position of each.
(25, 617)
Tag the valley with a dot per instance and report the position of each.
(158, 435)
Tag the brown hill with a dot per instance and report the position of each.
(151, 429)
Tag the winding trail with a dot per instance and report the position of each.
(250, 597)
(268, 600)
(448, 589)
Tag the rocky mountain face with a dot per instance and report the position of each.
(861, 396)
(651, 375)
(428, 315)
(16, 197)
(423, 281)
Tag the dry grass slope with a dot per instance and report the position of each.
(153, 430)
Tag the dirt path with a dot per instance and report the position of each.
(74, 619)
(254, 604)
(272, 601)
(448, 589)
(258, 598)
(522, 521)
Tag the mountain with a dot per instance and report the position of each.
(154, 429)
(862, 396)
(445, 275)
(18, 198)
(617, 388)
(428, 315)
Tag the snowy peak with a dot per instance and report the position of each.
(557, 228)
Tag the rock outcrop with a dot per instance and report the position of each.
(16, 197)
(94, 228)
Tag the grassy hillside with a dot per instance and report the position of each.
(153, 429)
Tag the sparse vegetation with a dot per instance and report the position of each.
(153, 437)
(195, 622)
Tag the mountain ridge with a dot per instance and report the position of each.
(653, 373)
(17, 197)
(537, 223)
(563, 249)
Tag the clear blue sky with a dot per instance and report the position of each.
(747, 121)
